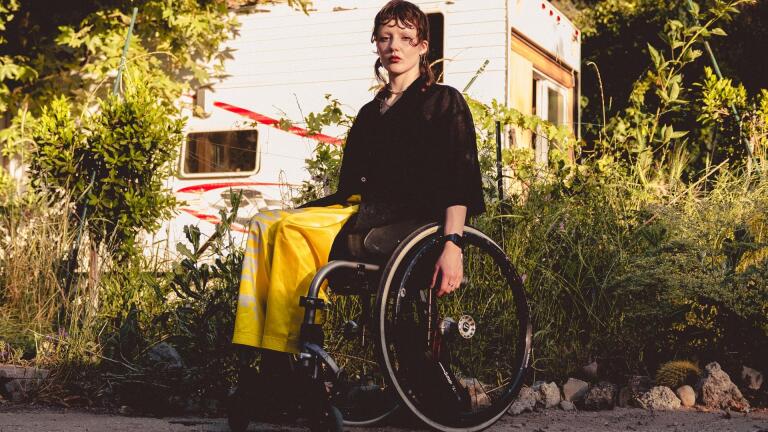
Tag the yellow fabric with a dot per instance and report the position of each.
(284, 250)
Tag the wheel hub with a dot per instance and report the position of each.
(467, 326)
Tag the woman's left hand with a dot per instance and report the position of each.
(450, 267)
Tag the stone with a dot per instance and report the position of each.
(752, 378)
(18, 383)
(625, 397)
(525, 401)
(718, 391)
(165, 356)
(638, 385)
(687, 395)
(590, 370)
(567, 405)
(547, 394)
(476, 391)
(126, 410)
(23, 372)
(659, 398)
(574, 389)
(600, 396)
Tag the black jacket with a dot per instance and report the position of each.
(413, 161)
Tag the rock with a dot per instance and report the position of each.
(547, 394)
(567, 405)
(600, 396)
(659, 398)
(687, 395)
(625, 397)
(752, 378)
(19, 382)
(718, 391)
(638, 385)
(476, 392)
(574, 389)
(525, 401)
(126, 410)
(165, 356)
(590, 370)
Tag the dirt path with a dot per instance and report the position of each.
(33, 419)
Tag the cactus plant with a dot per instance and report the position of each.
(676, 373)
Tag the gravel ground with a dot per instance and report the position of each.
(38, 419)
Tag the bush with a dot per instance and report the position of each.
(114, 162)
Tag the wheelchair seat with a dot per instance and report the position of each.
(374, 246)
(379, 242)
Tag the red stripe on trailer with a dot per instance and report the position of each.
(213, 219)
(210, 186)
(203, 216)
(269, 121)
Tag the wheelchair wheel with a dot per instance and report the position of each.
(457, 362)
(360, 391)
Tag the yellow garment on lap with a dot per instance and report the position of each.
(284, 250)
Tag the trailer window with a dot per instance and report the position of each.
(550, 103)
(232, 151)
(436, 38)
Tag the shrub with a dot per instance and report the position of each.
(114, 162)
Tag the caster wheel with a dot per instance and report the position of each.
(331, 421)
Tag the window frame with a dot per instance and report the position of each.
(183, 174)
(543, 84)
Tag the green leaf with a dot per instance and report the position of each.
(184, 250)
(694, 8)
(718, 32)
(674, 92)
(654, 55)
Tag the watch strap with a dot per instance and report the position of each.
(456, 239)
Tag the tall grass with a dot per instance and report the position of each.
(48, 317)
(34, 235)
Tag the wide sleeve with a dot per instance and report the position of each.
(461, 178)
(351, 167)
(352, 163)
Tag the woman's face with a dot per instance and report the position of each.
(399, 47)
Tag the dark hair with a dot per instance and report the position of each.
(410, 15)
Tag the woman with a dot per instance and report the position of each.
(410, 154)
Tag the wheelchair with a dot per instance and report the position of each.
(386, 343)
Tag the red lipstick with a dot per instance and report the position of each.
(394, 59)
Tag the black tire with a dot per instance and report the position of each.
(360, 392)
(334, 421)
(238, 415)
(456, 362)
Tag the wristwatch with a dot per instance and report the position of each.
(456, 239)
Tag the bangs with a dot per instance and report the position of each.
(405, 15)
